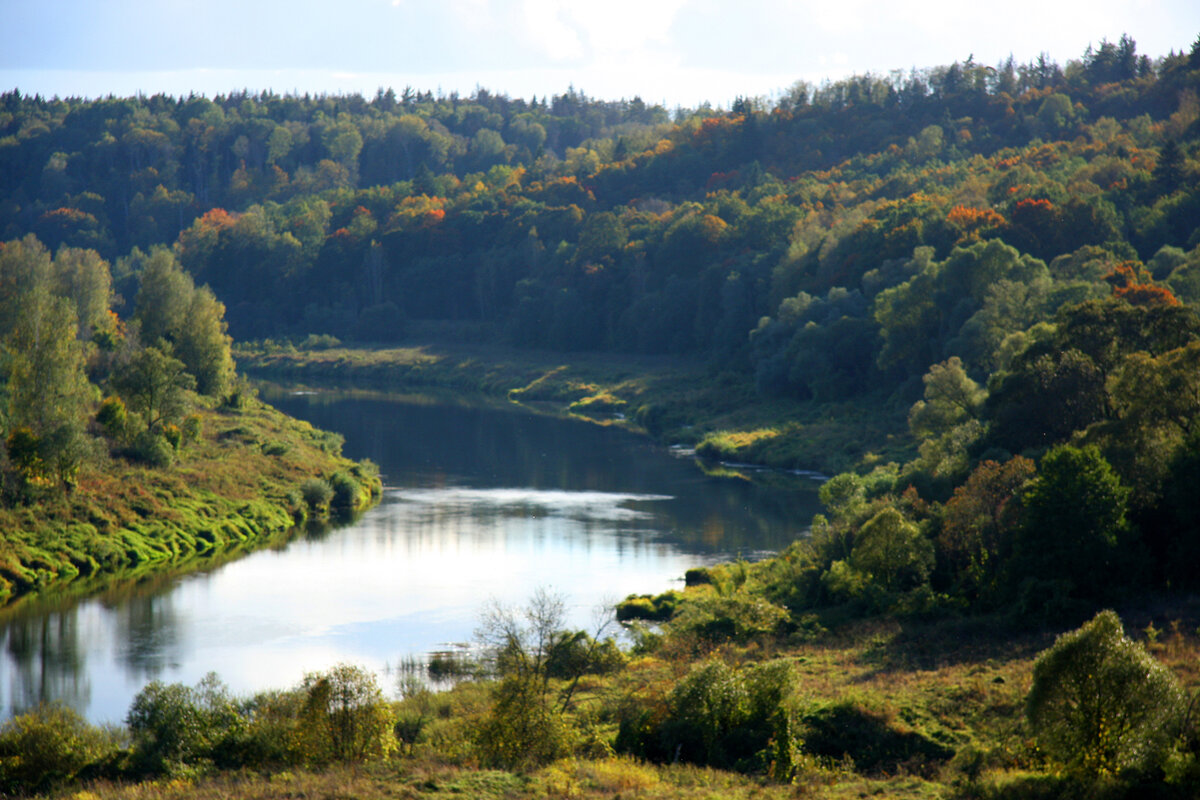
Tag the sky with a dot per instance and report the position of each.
(675, 52)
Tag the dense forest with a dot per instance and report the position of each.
(1009, 253)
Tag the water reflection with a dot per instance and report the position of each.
(480, 502)
(47, 662)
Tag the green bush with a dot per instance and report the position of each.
(658, 608)
(738, 617)
(347, 492)
(193, 426)
(575, 654)
(524, 728)
(317, 493)
(1101, 704)
(345, 717)
(722, 717)
(152, 449)
(113, 417)
(176, 727)
(47, 747)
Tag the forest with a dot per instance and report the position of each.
(1006, 257)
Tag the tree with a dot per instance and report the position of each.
(82, 277)
(174, 725)
(978, 523)
(154, 384)
(951, 398)
(1045, 399)
(346, 718)
(204, 347)
(1100, 703)
(164, 295)
(1074, 524)
(171, 309)
(892, 551)
(525, 727)
(48, 390)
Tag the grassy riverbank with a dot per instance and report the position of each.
(676, 400)
(899, 709)
(238, 484)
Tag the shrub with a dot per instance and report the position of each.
(659, 608)
(113, 417)
(739, 617)
(175, 725)
(722, 717)
(150, 448)
(47, 747)
(524, 728)
(346, 492)
(345, 716)
(1100, 703)
(193, 426)
(317, 493)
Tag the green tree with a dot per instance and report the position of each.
(48, 390)
(154, 384)
(163, 298)
(1100, 703)
(82, 277)
(174, 725)
(892, 551)
(1074, 525)
(525, 726)
(204, 347)
(951, 398)
(171, 309)
(345, 717)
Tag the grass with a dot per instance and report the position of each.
(677, 400)
(232, 490)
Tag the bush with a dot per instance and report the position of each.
(193, 426)
(739, 617)
(176, 726)
(317, 493)
(658, 608)
(152, 449)
(722, 717)
(345, 716)
(1101, 704)
(347, 492)
(47, 747)
(113, 417)
(524, 728)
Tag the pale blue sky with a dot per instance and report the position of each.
(680, 52)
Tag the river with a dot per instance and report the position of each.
(483, 502)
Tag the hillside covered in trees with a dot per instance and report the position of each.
(1013, 248)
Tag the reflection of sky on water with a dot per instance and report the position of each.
(605, 517)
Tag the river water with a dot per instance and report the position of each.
(483, 502)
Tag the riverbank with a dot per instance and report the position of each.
(237, 485)
(678, 401)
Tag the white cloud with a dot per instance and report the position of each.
(545, 27)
